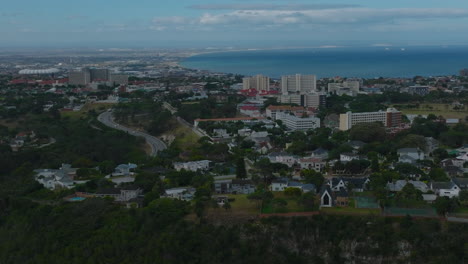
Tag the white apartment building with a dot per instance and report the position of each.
(389, 118)
(192, 165)
(257, 82)
(347, 87)
(298, 84)
(296, 123)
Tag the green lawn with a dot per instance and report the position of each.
(350, 211)
(444, 110)
(185, 138)
(243, 205)
(292, 205)
(99, 107)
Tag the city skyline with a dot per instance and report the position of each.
(188, 23)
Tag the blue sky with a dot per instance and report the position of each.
(190, 23)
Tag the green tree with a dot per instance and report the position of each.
(292, 192)
(241, 172)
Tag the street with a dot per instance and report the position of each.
(156, 144)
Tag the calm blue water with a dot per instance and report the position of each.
(363, 62)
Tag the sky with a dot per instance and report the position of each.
(232, 23)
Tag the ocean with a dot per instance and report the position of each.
(370, 62)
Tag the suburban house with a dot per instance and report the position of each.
(356, 144)
(398, 185)
(448, 189)
(124, 169)
(181, 193)
(320, 153)
(192, 165)
(346, 157)
(461, 182)
(53, 179)
(124, 194)
(358, 184)
(280, 185)
(330, 198)
(316, 164)
(234, 186)
(283, 158)
(410, 155)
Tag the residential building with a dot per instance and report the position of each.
(296, 123)
(447, 189)
(234, 186)
(350, 88)
(273, 110)
(464, 72)
(310, 163)
(99, 75)
(257, 82)
(315, 100)
(82, 77)
(400, 184)
(251, 111)
(389, 118)
(355, 184)
(349, 156)
(282, 184)
(119, 79)
(410, 155)
(298, 84)
(124, 169)
(56, 179)
(124, 194)
(418, 90)
(181, 193)
(192, 165)
(283, 158)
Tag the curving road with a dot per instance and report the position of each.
(156, 144)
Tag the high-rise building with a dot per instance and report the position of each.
(347, 87)
(82, 77)
(298, 84)
(120, 79)
(99, 75)
(389, 118)
(316, 100)
(464, 72)
(257, 82)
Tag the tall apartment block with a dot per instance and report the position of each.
(99, 75)
(316, 100)
(298, 84)
(120, 79)
(389, 118)
(257, 82)
(82, 77)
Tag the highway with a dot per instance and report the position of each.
(155, 143)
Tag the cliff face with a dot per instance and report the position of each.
(333, 239)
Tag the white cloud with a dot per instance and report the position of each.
(322, 17)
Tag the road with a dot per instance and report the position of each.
(155, 143)
(182, 121)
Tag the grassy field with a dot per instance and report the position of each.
(292, 205)
(350, 211)
(98, 107)
(243, 205)
(445, 110)
(185, 138)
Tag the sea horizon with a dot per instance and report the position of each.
(331, 61)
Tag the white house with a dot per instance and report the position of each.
(316, 164)
(346, 157)
(53, 179)
(192, 165)
(448, 189)
(279, 185)
(326, 197)
(410, 155)
(124, 169)
(283, 157)
(181, 193)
